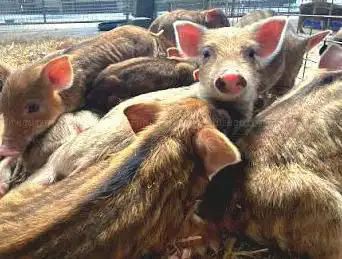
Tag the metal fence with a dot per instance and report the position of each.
(325, 14)
(14, 12)
(75, 11)
(233, 8)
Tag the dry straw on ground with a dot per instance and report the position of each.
(17, 53)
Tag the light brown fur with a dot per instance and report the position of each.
(276, 78)
(291, 196)
(87, 58)
(111, 134)
(96, 220)
(37, 153)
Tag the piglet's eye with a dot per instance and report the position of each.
(1, 85)
(250, 53)
(32, 107)
(206, 53)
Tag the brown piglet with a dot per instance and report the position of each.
(231, 60)
(264, 57)
(134, 203)
(291, 195)
(34, 96)
(213, 18)
(137, 76)
(225, 88)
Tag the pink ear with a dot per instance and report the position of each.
(215, 150)
(142, 115)
(317, 38)
(331, 58)
(270, 36)
(188, 37)
(195, 74)
(211, 14)
(4, 72)
(173, 52)
(59, 73)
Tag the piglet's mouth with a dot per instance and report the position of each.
(6, 151)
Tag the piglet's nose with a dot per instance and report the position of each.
(230, 83)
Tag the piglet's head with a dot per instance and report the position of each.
(31, 102)
(215, 18)
(231, 58)
(190, 122)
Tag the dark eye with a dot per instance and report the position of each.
(250, 53)
(206, 53)
(32, 107)
(1, 85)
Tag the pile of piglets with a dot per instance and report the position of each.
(154, 143)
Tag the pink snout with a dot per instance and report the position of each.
(6, 151)
(230, 83)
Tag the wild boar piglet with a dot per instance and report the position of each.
(290, 191)
(146, 190)
(34, 96)
(136, 76)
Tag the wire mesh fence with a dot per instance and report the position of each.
(14, 12)
(310, 15)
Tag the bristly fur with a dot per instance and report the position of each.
(136, 76)
(291, 197)
(87, 59)
(141, 209)
(125, 174)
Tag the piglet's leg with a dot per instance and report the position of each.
(6, 173)
(185, 254)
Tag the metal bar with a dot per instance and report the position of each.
(44, 10)
(320, 16)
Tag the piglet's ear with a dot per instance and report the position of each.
(142, 115)
(59, 73)
(215, 150)
(269, 35)
(316, 38)
(331, 58)
(188, 37)
(195, 74)
(211, 14)
(4, 72)
(173, 52)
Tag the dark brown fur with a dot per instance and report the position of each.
(165, 21)
(291, 196)
(137, 76)
(134, 203)
(87, 58)
(253, 17)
